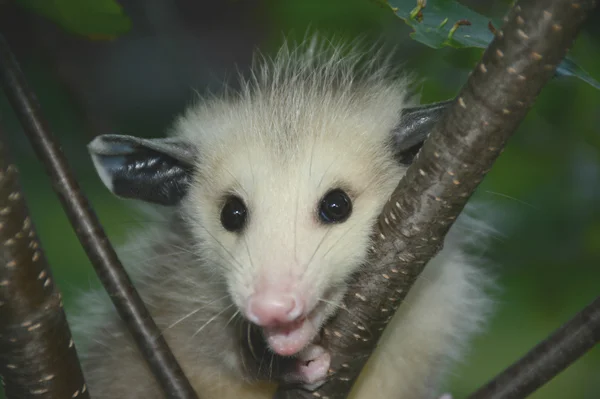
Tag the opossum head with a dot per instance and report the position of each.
(281, 183)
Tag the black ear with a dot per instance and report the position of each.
(151, 170)
(414, 127)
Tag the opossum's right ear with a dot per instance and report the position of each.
(414, 127)
(151, 170)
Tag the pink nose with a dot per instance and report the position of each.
(272, 308)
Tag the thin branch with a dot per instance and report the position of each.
(460, 150)
(90, 233)
(548, 358)
(37, 356)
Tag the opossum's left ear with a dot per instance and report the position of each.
(150, 170)
(414, 127)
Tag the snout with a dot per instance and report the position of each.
(272, 308)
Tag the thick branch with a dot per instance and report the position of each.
(453, 161)
(37, 356)
(90, 233)
(548, 358)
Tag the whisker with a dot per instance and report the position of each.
(262, 359)
(211, 320)
(249, 340)
(326, 170)
(329, 229)
(316, 249)
(271, 368)
(296, 226)
(223, 247)
(193, 313)
(512, 198)
(237, 312)
(343, 235)
(248, 251)
(336, 305)
(237, 182)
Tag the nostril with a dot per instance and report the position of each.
(296, 310)
(265, 309)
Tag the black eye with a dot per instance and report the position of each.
(234, 214)
(335, 207)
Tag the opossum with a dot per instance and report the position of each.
(265, 199)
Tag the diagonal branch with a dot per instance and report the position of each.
(460, 150)
(90, 233)
(37, 356)
(548, 358)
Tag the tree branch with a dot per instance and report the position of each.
(37, 356)
(548, 358)
(460, 150)
(91, 235)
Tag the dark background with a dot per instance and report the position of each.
(544, 189)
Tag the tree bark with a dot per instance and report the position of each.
(91, 235)
(37, 355)
(548, 358)
(454, 159)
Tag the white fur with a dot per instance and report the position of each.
(308, 121)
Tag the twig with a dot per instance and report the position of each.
(90, 233)
(37, 356)
(460, 150)
(548, 358)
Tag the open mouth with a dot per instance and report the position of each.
(290, 338)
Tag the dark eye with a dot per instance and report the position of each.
(335, 207)
(234, 214)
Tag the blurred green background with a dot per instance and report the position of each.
(545, 188)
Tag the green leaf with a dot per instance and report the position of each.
(569, 68)
(95, 19)
(436, 25)
(444, 23)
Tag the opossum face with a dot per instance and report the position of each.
(285, 215)
(280, 187)
(287, 226)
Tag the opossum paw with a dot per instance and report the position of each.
(312, 367)
(446, 396)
